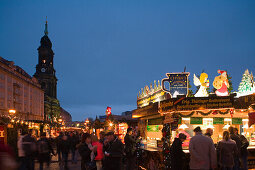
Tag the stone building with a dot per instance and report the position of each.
(21, 92)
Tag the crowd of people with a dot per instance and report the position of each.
(104, 153)
(109, 153)
(228, 154)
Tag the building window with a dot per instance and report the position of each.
(1, 76)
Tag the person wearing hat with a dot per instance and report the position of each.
(113, 153)
(177, 154)
(202, 151)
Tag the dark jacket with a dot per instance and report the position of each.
(237, 139)
(130, 143)
(29, 145)
(84, 152)
(44, 155)
(177, 155)
(65, 144)
(74, 140)
(244, 145)
(115, 149)
(227, 151)
(58, 143)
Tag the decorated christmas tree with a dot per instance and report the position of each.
(246, 86)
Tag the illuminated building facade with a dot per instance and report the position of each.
(21, 92)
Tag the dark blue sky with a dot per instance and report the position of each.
(105, 51)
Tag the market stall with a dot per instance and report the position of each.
(163, 117)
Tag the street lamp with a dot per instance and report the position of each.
(111, 124)
(12, 111)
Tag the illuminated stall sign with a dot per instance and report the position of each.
(145, 111)
(195, 103)
(153, 128)
(178, 84)
(218, 121)
(155, 97)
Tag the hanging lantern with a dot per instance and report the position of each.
(108, 111)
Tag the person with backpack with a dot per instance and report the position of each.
(29, 147)
(44, 149)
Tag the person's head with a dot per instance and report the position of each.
(197, 130)
(43, 135)
(182, 137)
(231, 130)
(226, 135)
(60, 133)
(94, 138)
(102, 135)
(110, 136)
(209, 131)
(30, 132)
(86, 138)
(129, 131)
(71, 134)
(24, 132)
(236, 131)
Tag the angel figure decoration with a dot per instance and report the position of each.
(203, 82)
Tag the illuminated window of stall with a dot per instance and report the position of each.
(227, 123)
(208, 123)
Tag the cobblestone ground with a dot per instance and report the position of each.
(55, 164)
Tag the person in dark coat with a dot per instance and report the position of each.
(130, 147)
(44, 149)
(244, 152)
(65, 148)
(29, 146)
(85, 151)
(58, 143)
(177, 154)
(74, 140)
(237, 139)
(113, 153)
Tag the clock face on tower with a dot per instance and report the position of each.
(43, 70)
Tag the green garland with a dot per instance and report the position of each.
(203, 113)
(189, 115)
(223, 113)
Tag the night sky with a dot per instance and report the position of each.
(106, 51)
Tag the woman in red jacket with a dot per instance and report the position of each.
(99, 154)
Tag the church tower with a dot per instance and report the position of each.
(45, 72)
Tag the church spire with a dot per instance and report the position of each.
(46, 27)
